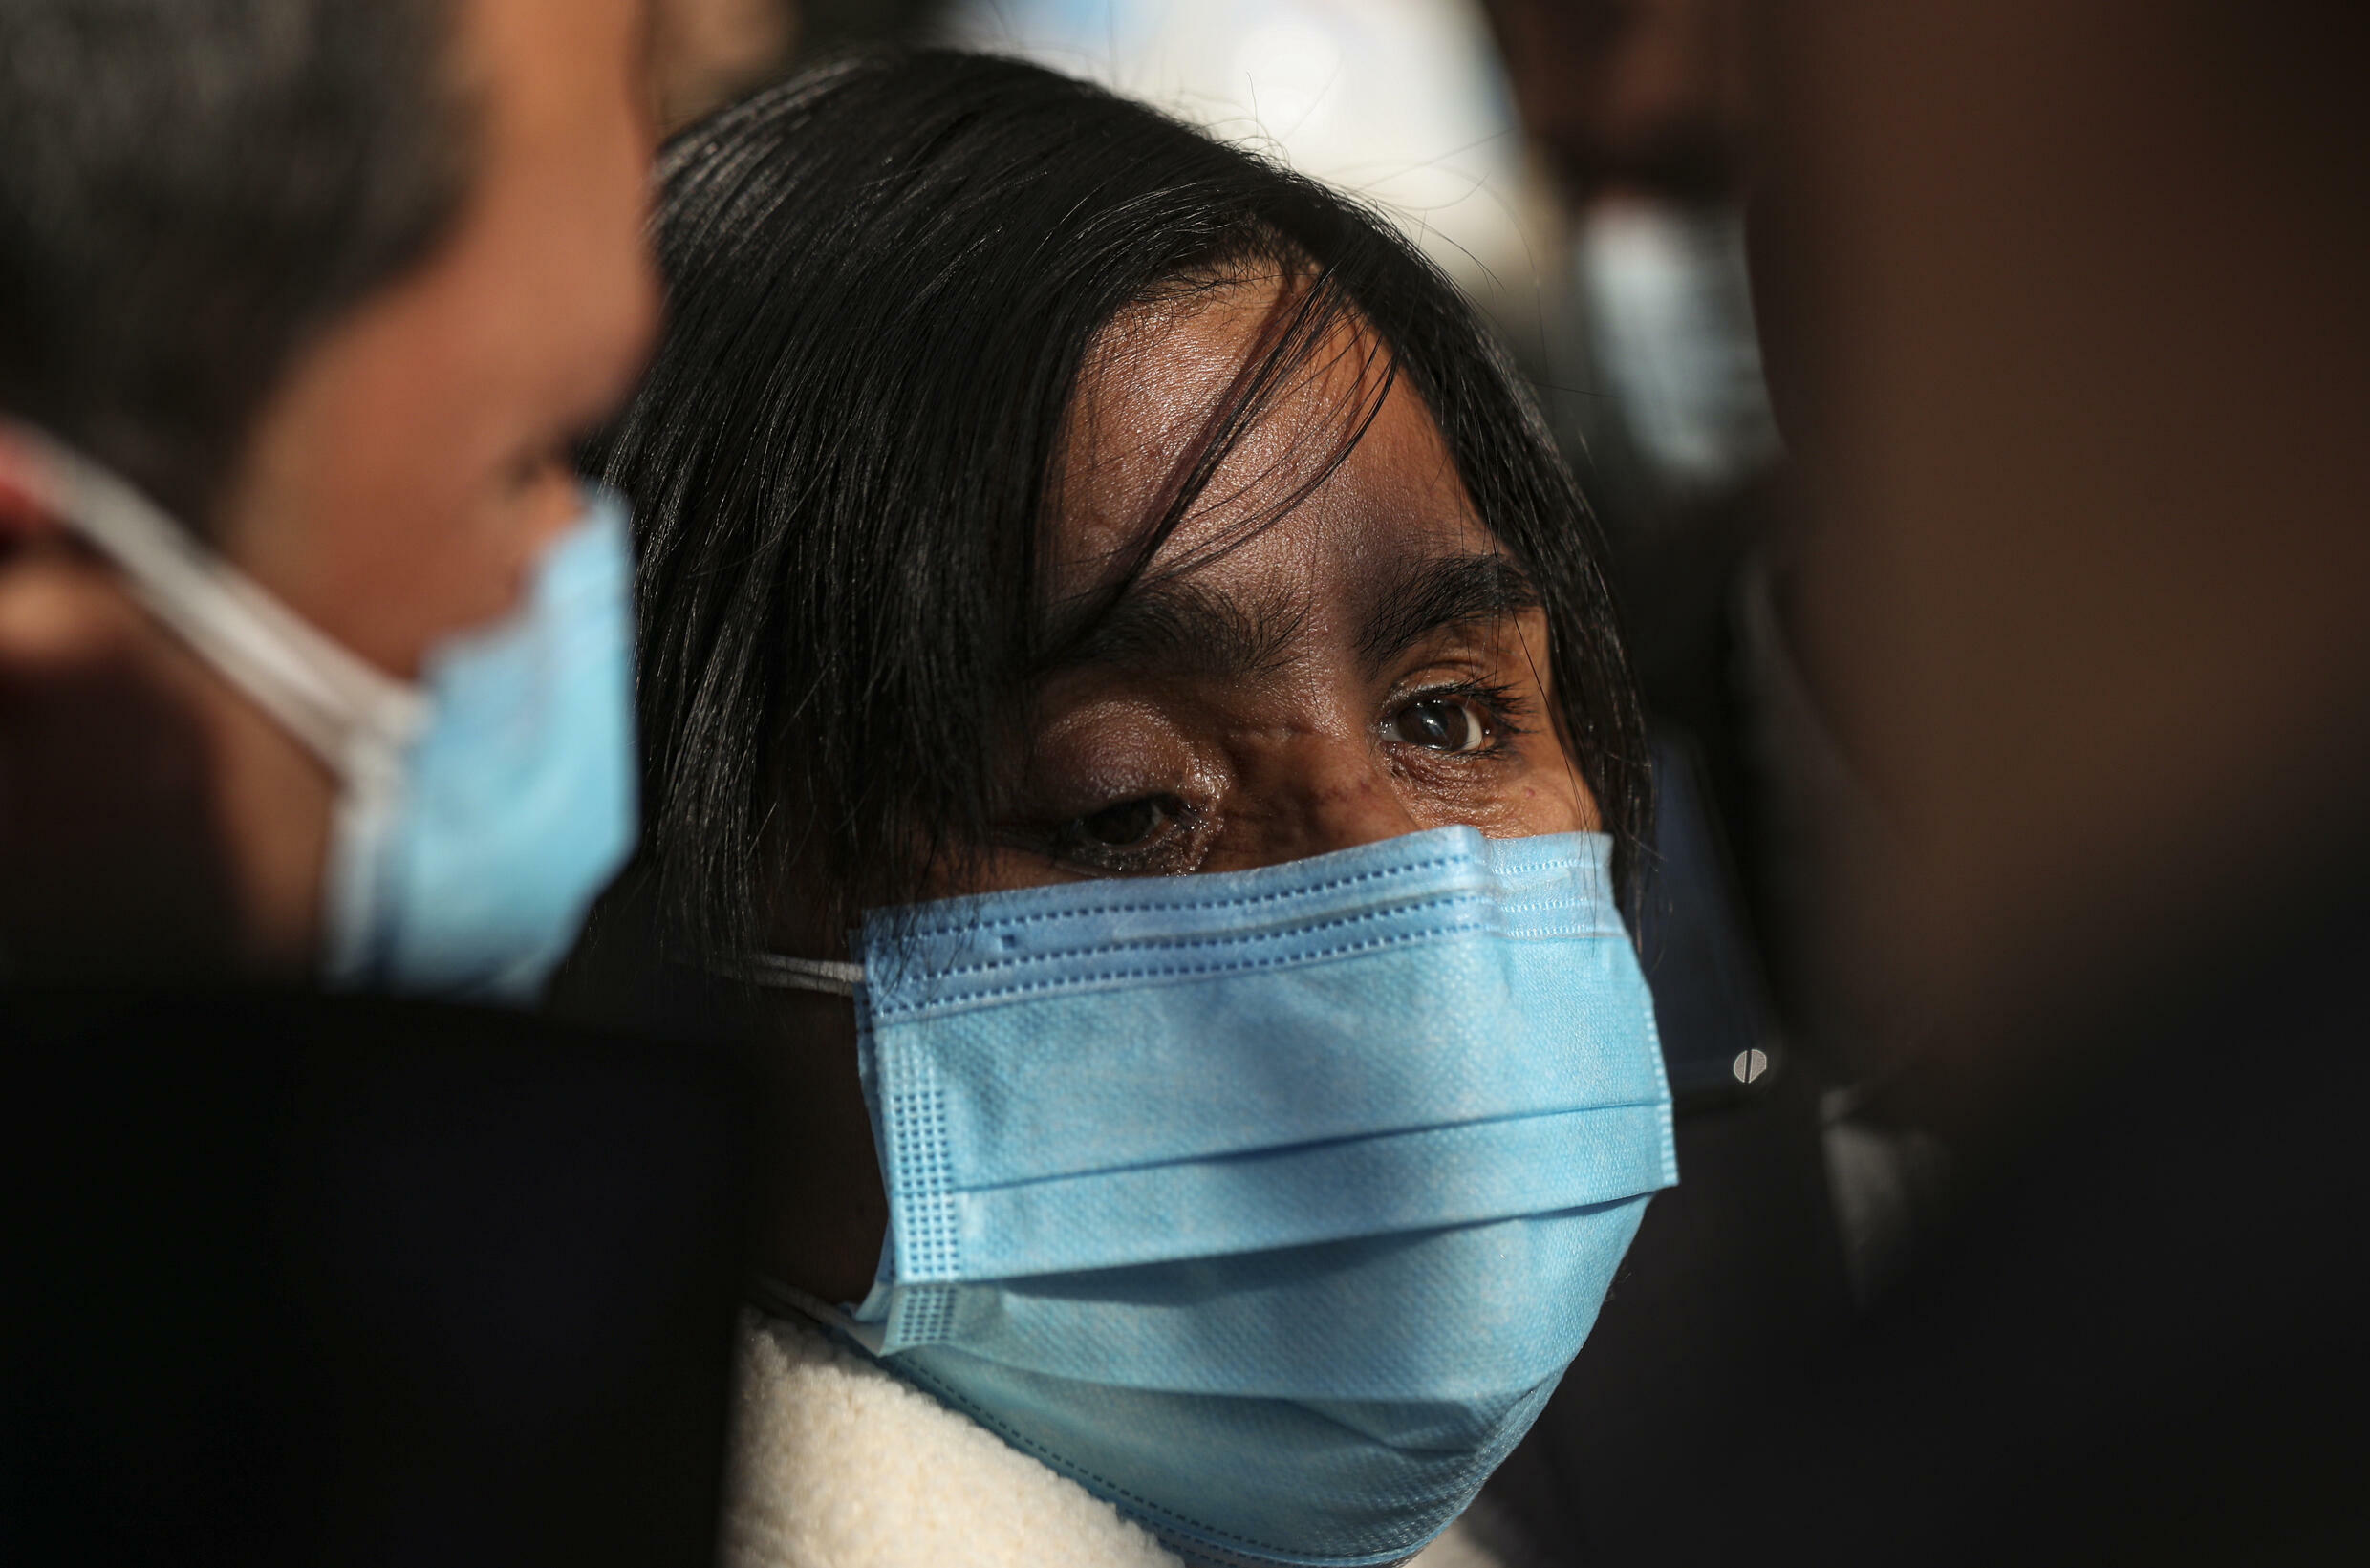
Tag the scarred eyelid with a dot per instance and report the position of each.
(1177, 846)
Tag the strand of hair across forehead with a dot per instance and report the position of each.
(1301, 322)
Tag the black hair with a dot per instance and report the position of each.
(189, 191)
(885, 281)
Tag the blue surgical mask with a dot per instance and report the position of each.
(478, 811)
(1270, 1205)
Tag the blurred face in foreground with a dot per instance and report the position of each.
(1366, 666)
(402, 482)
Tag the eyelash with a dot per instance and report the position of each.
(1131, 860)
(1505, 706)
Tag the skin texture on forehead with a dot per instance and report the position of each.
(1150, 385)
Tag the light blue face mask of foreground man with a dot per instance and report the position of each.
(1269, 1205)
(479, 812)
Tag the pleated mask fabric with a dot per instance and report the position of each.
(1268, 1204)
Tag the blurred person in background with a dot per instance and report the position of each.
(316, 677)
(2067, 329)
(1401, 101)
(1139, 749)
(706, 52)
(1645, 113)
(1642, 110)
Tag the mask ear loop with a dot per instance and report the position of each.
(358, 720)
(781, 1301)
(780, 972)
(338, 706)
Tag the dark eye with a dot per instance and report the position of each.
(1440, 723)
(1131, 825)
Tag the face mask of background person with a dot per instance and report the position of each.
(1311, 641)
(368, 387)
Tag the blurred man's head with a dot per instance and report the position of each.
(335, 285)
(2066, 304)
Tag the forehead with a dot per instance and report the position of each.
(1142, 406)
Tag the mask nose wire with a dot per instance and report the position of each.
(347, 713)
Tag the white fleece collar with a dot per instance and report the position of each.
(838, 1464)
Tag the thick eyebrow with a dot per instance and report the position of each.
(1178, 626)
(1426, 596)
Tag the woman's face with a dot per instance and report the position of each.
(1368, 665)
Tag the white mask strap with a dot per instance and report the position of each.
(781, 971)
(351, 716)
(789, 1301)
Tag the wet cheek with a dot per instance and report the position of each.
(1501, 806)
(1560, 806)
